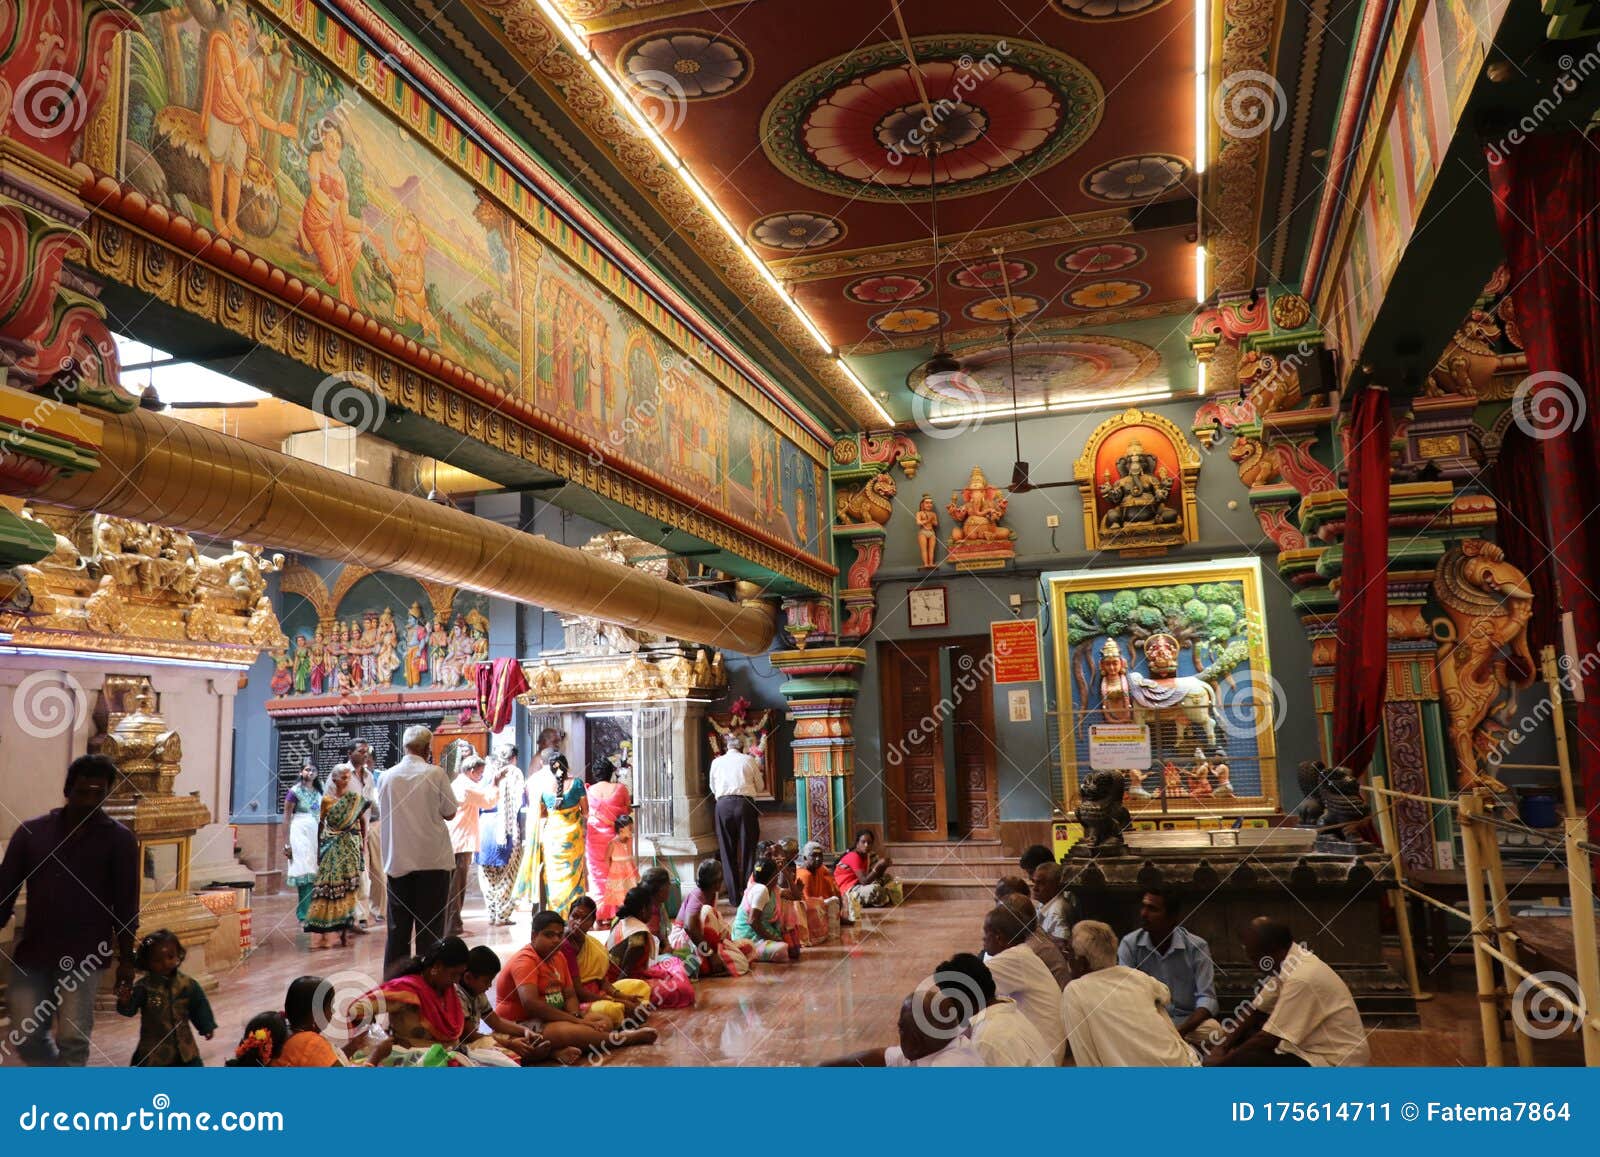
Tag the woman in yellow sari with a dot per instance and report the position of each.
(555, 872)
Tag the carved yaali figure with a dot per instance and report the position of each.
(872, 503)
(1484, 656)
(1103, 814)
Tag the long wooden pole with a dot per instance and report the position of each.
(1402, 906)
(1500, 913)
(1483, 965)
(1580, 881)
(1558, 725)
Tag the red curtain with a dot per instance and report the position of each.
(1515, 480)
(1361, 666)
(1546, 191)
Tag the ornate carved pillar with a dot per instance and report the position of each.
(821, 688)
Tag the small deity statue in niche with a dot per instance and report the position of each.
(927, 531)
(1115, 706)
(978, 509)
(1138, 496)
(1200, 776)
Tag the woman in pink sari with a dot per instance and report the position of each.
(607, 801)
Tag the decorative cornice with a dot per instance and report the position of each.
(528, 35)
(1299, 124)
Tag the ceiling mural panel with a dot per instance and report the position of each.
(1050, 371)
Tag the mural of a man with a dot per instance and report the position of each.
(232, 113)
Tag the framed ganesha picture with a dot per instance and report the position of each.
(1137, 476)
(1161, 672)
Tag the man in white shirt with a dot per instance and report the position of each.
(735, 781)
(1304, 1014)
(1005, 1037)
(927, 1041)
(1115, 1016)
(1022, 976)
(414, 801)
(1054, 904)
(364, 778)
(473, 793)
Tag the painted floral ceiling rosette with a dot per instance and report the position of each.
(796, 231)
(686, 64)
(1003, 111)
(1106, 294)
(887, 288)
(1105, 9)
(1104, 257)
(1136, 178)
(914, 320)
(986, 274)
(1000, 310)
(1071, 368)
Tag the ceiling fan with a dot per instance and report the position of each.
(1021, 483)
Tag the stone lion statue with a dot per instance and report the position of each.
(870, 504)
(1102, 813)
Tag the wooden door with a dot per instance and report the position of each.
(977, 810)
(912, 741)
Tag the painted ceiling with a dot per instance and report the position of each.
(1064, 137)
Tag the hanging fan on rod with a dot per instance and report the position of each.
(1021, 483)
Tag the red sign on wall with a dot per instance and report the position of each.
(1015, 643)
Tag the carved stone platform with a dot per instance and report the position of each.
(1331, 902)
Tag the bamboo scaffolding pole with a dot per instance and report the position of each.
(1500, 913)
(1389, 791)
(1437, 903)
(1558, 725)
(1580, 879)
(1488, 996)
(1402, 910)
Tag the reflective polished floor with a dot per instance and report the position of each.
(836, 999)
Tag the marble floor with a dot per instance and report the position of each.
(837, 999)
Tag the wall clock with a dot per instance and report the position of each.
(927, 607)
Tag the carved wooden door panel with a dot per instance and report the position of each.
(912, 741)
(971, 694)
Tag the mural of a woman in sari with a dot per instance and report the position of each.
(554, 873)
(338, 885)
(328, 232)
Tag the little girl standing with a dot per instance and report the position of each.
(622, 872)
(167, 1002)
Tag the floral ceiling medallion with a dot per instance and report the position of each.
(1001, 309)
(1105, 10)
(1003, 111)
(685, 64)
(914, 320)
(1050, 370)
(1140, 178)
(986, 273)
(1106, 294)
(1102, 257)
(796, 230)
(887, 289)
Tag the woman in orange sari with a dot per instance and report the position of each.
(608, 801)
(327, 230)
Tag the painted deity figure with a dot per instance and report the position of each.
(319, 662)
(927, 531)
(416, 662)
(282, 678)
(1115, 705)
(978, 510)
(1223, 788)
(233, 114)
(302, 665)
(388, 658)
(438, 649)
(410, 269)
(1136, 787)
(1138, 495)
(328, 230)
(369, 650)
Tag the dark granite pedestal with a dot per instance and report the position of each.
(1331, 902)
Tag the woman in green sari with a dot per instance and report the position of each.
(555, 872)
(338, 885)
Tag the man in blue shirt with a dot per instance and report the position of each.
(1166, 950)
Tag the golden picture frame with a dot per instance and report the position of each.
(1214, 613)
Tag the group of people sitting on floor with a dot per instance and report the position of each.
(572, 993)
(1050, 987)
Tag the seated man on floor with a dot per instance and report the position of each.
(1304, 1015)
(1032, 856)
(1165, 949)
(1055, 905)
(1021, 975)
(928, 1039)
(1115, 1016)
(864, 877)
(1003, 1035)
(1043, 947)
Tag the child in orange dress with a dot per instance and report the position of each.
(622, 873)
